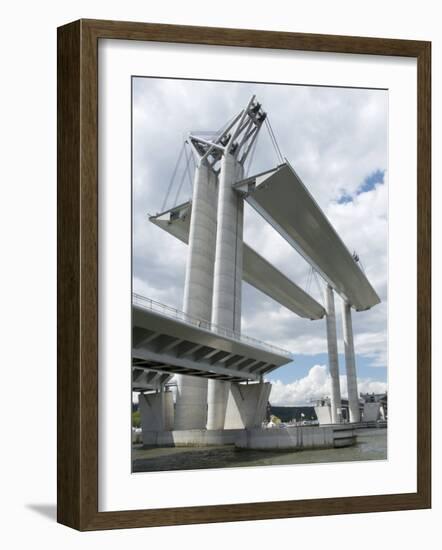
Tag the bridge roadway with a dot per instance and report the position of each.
(168, 341)
(285, 203)
(257, 271)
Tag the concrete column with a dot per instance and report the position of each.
(226, 308)
(191, 399)
(333, 361)
(156, 412)
(350, 364)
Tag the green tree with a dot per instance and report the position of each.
(136, 420)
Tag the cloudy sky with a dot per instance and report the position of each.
(337, 141)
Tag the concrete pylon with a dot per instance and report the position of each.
(156, 412)
(350, 364)
(226, 308)
(247, 405)
(191, 399)
(333, 361)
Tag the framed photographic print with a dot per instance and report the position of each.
(243, 274)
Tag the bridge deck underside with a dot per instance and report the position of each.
(169, 346)
(144, 379)
(285, 203)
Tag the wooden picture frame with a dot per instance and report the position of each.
(78, 274)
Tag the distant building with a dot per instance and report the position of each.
(372, 408)
(376, 402)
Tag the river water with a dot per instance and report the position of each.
(371, 445)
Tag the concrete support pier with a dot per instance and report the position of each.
(323, 414)
(333, 361)
(191, 398)
(247, 405)
(350, 364)
(156, 412)
(226, 308)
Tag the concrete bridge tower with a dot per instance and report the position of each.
(214, 266)
(228, 270)
(226, 308)
(191, 398)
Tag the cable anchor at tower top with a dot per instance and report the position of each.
(236, 138)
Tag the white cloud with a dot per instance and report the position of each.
(334, 138)
(315, 386)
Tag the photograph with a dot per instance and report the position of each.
(259, 274)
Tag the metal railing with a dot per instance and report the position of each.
(168, 311)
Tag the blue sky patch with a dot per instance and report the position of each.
(345, 198)
(369, 183)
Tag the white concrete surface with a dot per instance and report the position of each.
(323, 414)
(156, 411)
(190, 438)
(333, 361)
(350, 363)
(226, 305)
(218, 392)
(289, 437)
(371, 412)
(202, 239)
(191, 398)
(282, 199)
(247, 405)
(167, 340)
(296, 437)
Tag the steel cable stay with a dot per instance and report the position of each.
(274, 141)
(252, 156)
(318, 284)
(189, 157)
(172, 179)
(312, 274)
(185, 172)
(309, 279)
